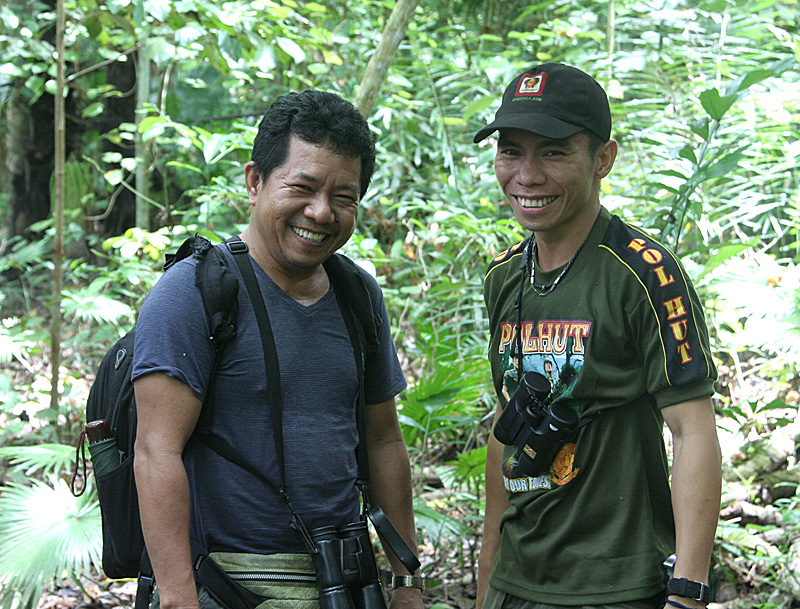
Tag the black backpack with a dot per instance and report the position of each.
(111, 397)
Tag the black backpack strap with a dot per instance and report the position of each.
(349, 284)
(362, 456)
(144, 583)
(219, 287)
(241, 255)
(355, 302)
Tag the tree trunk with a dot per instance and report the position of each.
(379, 63)
(59, 149)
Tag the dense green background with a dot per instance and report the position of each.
(706, 105)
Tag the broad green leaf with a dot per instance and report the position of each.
(723, 253)
(92, 110)
(700, 127)
(479, 105)
(687, 152)
(291, 48)
(715, 104)
(159, 9)
(725, 165)
(47, 533)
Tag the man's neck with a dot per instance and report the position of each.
(556, 248)
(306, 286)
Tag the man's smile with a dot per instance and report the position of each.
(527, 203)
(306, 234)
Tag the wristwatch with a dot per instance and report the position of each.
(690, 589)
(408, 581)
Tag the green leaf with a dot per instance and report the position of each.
(90, 304)
(478, 105)
(436, 524)
(725, 165)
(159, 9)
(92, 110)
(185, 166)
(724, 253)
(46, 458)
(700, 127)
(687, 152)
(114, 177)
(716, 105)
(291, 48)
(672, 173)
(746, 81)
(46, 533)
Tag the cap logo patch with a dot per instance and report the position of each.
(531, 84)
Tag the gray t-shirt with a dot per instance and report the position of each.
(233, 510)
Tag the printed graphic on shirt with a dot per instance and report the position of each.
(551, 359)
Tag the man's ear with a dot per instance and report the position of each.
(606, 155)
(252, 180)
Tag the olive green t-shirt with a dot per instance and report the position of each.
(622, 334)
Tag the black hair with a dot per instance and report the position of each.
(594, 141)
(316, 117)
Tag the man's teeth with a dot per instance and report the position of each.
(315, 237)
(530, 203)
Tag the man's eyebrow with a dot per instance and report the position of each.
(310, 179)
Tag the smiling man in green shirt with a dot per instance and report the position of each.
(608, 322)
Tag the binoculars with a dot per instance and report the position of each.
(347, 574)
(536, 429)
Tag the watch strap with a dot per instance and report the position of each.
(408, 581)
(690, 589)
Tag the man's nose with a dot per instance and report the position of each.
(531, 171)
(320, 209)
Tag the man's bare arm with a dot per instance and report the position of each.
(167, 412)
(696, 487)
(390, 487)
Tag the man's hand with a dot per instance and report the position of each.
(406, 598)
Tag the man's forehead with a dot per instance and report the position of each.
(524, 136)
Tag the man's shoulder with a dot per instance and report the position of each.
(503, 263)
(621, 236)
(641, 253)
(176, 283)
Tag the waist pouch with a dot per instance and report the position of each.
(283, 581)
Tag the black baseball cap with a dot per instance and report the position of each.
(552, 100)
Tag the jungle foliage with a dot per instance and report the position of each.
(163, 100)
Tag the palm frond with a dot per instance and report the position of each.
(48, 534)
